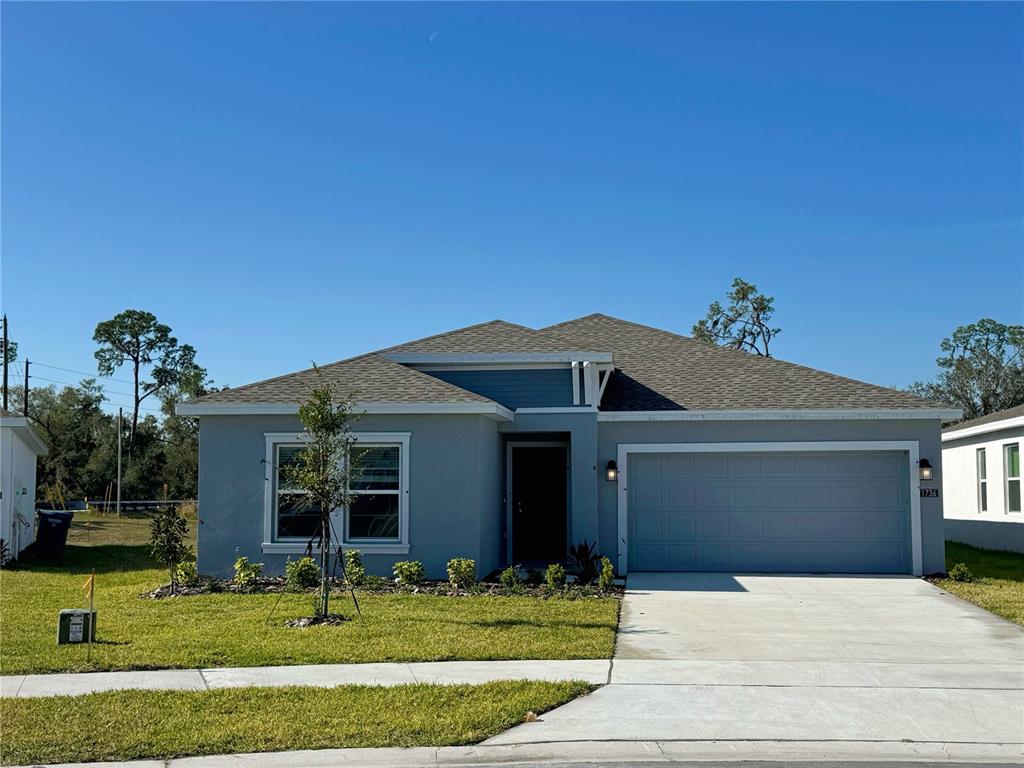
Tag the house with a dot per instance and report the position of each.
(507, 444)
(981, 480)
(20, 446)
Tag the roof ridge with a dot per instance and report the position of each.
(442, 335)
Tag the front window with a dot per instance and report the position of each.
(982, 482)
(1011, 463)
(375, 486)
(378, 512)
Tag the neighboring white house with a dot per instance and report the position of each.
(19, 448)
(981, 479)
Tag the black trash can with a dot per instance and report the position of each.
(52, 532)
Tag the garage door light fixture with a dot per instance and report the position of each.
(611, 472)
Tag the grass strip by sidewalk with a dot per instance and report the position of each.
(134, 725)
(1000, 579)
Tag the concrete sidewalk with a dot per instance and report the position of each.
(599, 752)
(320, 675)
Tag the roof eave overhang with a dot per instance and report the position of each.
(494, 411)
(769, 414)
(23, 429)
(982, 429)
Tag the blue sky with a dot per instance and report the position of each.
(282, 183)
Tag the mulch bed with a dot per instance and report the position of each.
(331, 620)
(274, 585)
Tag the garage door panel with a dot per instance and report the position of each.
(770, 512)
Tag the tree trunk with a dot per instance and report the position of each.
(325, 578)
(135, 409)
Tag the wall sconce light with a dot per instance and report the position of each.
(924, 469)
(611, 472)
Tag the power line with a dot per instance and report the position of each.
(105, 392)
(83, 373)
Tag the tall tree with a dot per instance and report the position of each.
(323, 469)
(981, 369)
(136, 338)
(745, 324)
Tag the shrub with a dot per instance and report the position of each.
(462, 572)
(246, 573)
(301, 574)
(960, 572)
(555, 575)
(606, 578)
(512, 577)
(187, 574)
(584, 561)
(409, 572)
(355, 572)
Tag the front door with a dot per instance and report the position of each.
(539, 503)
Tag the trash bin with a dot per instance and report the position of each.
(52, 532)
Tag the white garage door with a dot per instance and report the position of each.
(769, 512)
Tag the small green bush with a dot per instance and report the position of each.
(462, 572)
(355, 572)
(606, 577)
(555, 576)
(409, 572)
(960, 572)
(247, 574)
(186, 574)
(301, 574)
(512, 577)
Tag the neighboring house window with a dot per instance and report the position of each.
(378, 516)
(1011, 466)
(982, 482)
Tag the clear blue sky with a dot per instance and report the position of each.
(281, 183)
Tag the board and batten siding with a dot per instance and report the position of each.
(533, 388)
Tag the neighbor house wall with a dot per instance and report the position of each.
(18, 483)
(926, 432)
(451, 471)
(965, 522)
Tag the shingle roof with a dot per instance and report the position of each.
(655, 370)
(1009, 413)
(368, 378)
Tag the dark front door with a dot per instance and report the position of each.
(539, 497)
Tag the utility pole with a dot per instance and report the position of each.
(118, 462)
(25, 408)
(5, 362)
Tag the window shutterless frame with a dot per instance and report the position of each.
(982, 474)
(1011, 475)
(392, 546)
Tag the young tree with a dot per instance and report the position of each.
(981, 369)
(324, 468)
(744, 324)
(168, 529)
(136, 338)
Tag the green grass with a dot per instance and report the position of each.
(1000, 579)
(248, 630)
(133, 725)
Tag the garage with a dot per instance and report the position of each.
(769, 511)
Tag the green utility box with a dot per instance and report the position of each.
(76, 625)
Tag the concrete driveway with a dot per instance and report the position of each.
(801, 658)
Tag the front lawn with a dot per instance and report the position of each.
(134, 725)
(999, 585)
(248, 630)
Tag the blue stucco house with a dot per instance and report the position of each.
(507, 444)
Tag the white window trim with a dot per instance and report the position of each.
(910, 446)
(981, 460)
(366, 546)
(1007, 478)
